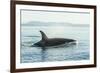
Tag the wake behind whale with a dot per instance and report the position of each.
(47, 42)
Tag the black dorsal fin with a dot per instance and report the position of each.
(44, 37)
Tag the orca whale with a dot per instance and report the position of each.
(46, 42)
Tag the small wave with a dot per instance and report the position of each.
(31, 36)
(30, 42)
(26, 45)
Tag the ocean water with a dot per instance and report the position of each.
(31, 35)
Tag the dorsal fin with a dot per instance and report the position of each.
(44, 37)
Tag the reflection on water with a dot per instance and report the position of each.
(31, 35)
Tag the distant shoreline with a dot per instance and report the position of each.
(36, 23)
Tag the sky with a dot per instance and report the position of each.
(55, 16)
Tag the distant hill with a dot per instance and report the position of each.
(38, 23)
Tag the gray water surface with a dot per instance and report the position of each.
(31, 35)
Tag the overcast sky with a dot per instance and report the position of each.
(50, 16)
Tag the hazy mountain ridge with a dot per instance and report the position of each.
(38, 23)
